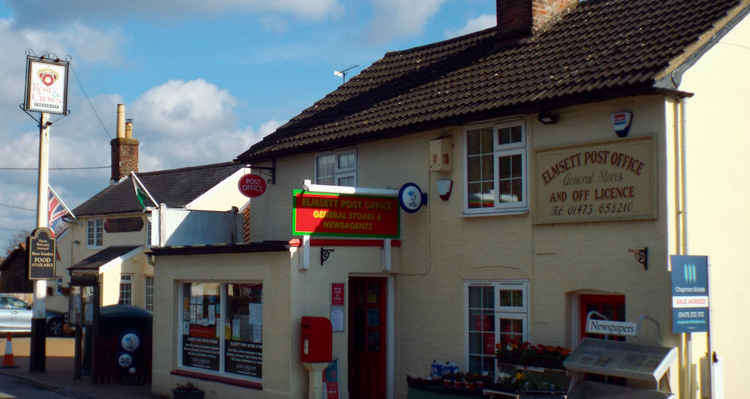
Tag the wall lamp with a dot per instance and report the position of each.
(548, 118)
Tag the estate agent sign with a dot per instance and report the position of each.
(689, 293)
(605, 181)
(343, 215)
(41, 254)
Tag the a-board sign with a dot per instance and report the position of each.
(41, 251)
(46, 85)
(344, 215)
(689, 293)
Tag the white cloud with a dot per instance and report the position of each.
(398, 18)
(29, 11)
(483, 21)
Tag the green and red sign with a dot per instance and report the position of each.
(344, 215)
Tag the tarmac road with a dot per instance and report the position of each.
(11, 388)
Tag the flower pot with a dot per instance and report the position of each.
(192, 394)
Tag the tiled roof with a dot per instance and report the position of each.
(600, 49)
(102, 257)
(175, 187)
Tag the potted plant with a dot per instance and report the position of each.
(187, 391)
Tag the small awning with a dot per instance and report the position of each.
(107, 255)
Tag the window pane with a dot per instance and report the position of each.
(517, 189)
(487, 141)
(200, 335)
(515, 134)
(345, 181)
(505, 192)
(475, 364)
(326, 167)
(488, 366)
(472, 142)
(518, 298)
(488, 194)
(505, 167)
(488, 298)
(475, 343)
(488, 167)
(326, 180)
(474, 169)
(347, 160)
(475, 195)
(510, 135)
(503, 136)
(488, 343)
(244, 330)
(475, 297)
(505, 325)
(517, 326)
(516, 168)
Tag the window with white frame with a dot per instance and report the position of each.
(95, 232)
(497, 313)
(148, 233)
(126, 289)
(222, 329)
(148, 290)
(496, 176)
(338, 168)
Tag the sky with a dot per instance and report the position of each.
(202, 80)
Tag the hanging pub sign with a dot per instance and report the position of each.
(597, 182)
(344, 215)
(689, 293)
(46, 85)
(41, 245)
(251, 185)
(123, 225)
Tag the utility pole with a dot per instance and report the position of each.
(39, 320)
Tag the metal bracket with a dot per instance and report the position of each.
(325, 253)
(641, 256)
(272, 169)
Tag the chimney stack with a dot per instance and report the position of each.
(524, 17)
(124, 147)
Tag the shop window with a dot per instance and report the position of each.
(497, 312)
(234, 350)
(338, 169)
(126, 289)
(94, 233)
(148, 289)
(496, 175)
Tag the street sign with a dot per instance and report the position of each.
(46, 85)
(252, 185)
(41, 254)
(689, 293)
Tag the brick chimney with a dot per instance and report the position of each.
(124, 147)
(524, 17)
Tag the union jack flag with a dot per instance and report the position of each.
(56, 211)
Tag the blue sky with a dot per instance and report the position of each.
(203, 80)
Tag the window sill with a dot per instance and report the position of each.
(216, 378)
(495, 212)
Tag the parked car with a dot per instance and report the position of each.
(16, 314)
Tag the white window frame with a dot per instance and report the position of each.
(98, 226)
(126, 279)
(221, 321)
(339, 173)
(148, 293)
(499, 151)
(505, 312)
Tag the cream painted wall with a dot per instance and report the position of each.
(442, 249)
(718, 169)
(273, 269)
(223, 196)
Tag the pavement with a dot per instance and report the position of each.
(58, 377)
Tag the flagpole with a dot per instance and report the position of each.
(38, 321)
(59, 198)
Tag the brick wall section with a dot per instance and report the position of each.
(124, 157)
(522, 17)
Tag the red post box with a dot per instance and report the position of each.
(315, 340)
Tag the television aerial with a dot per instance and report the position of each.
(342, 73)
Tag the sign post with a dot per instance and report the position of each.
(46, 91)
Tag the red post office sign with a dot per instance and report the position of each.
(252, 185)
(344, 215)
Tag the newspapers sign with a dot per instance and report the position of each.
(606, 327)
(46, 85)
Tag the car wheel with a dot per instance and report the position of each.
(55, 328)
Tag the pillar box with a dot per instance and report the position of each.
(316, 340)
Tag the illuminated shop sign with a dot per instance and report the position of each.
(592, 182)
(326, 214)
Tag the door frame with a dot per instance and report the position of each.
(390, 329)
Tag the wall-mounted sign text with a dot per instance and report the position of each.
(46, 85)
(41, 254)
(123, 225)
(597, 182)
(326, 214)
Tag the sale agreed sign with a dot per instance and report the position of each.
(689, 293)
(326, 214)
(605, 181)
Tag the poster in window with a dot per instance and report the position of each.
(199, 352)
(244, 358)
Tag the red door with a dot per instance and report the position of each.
(611, 306)
(367, 311)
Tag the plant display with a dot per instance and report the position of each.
(530, 355)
